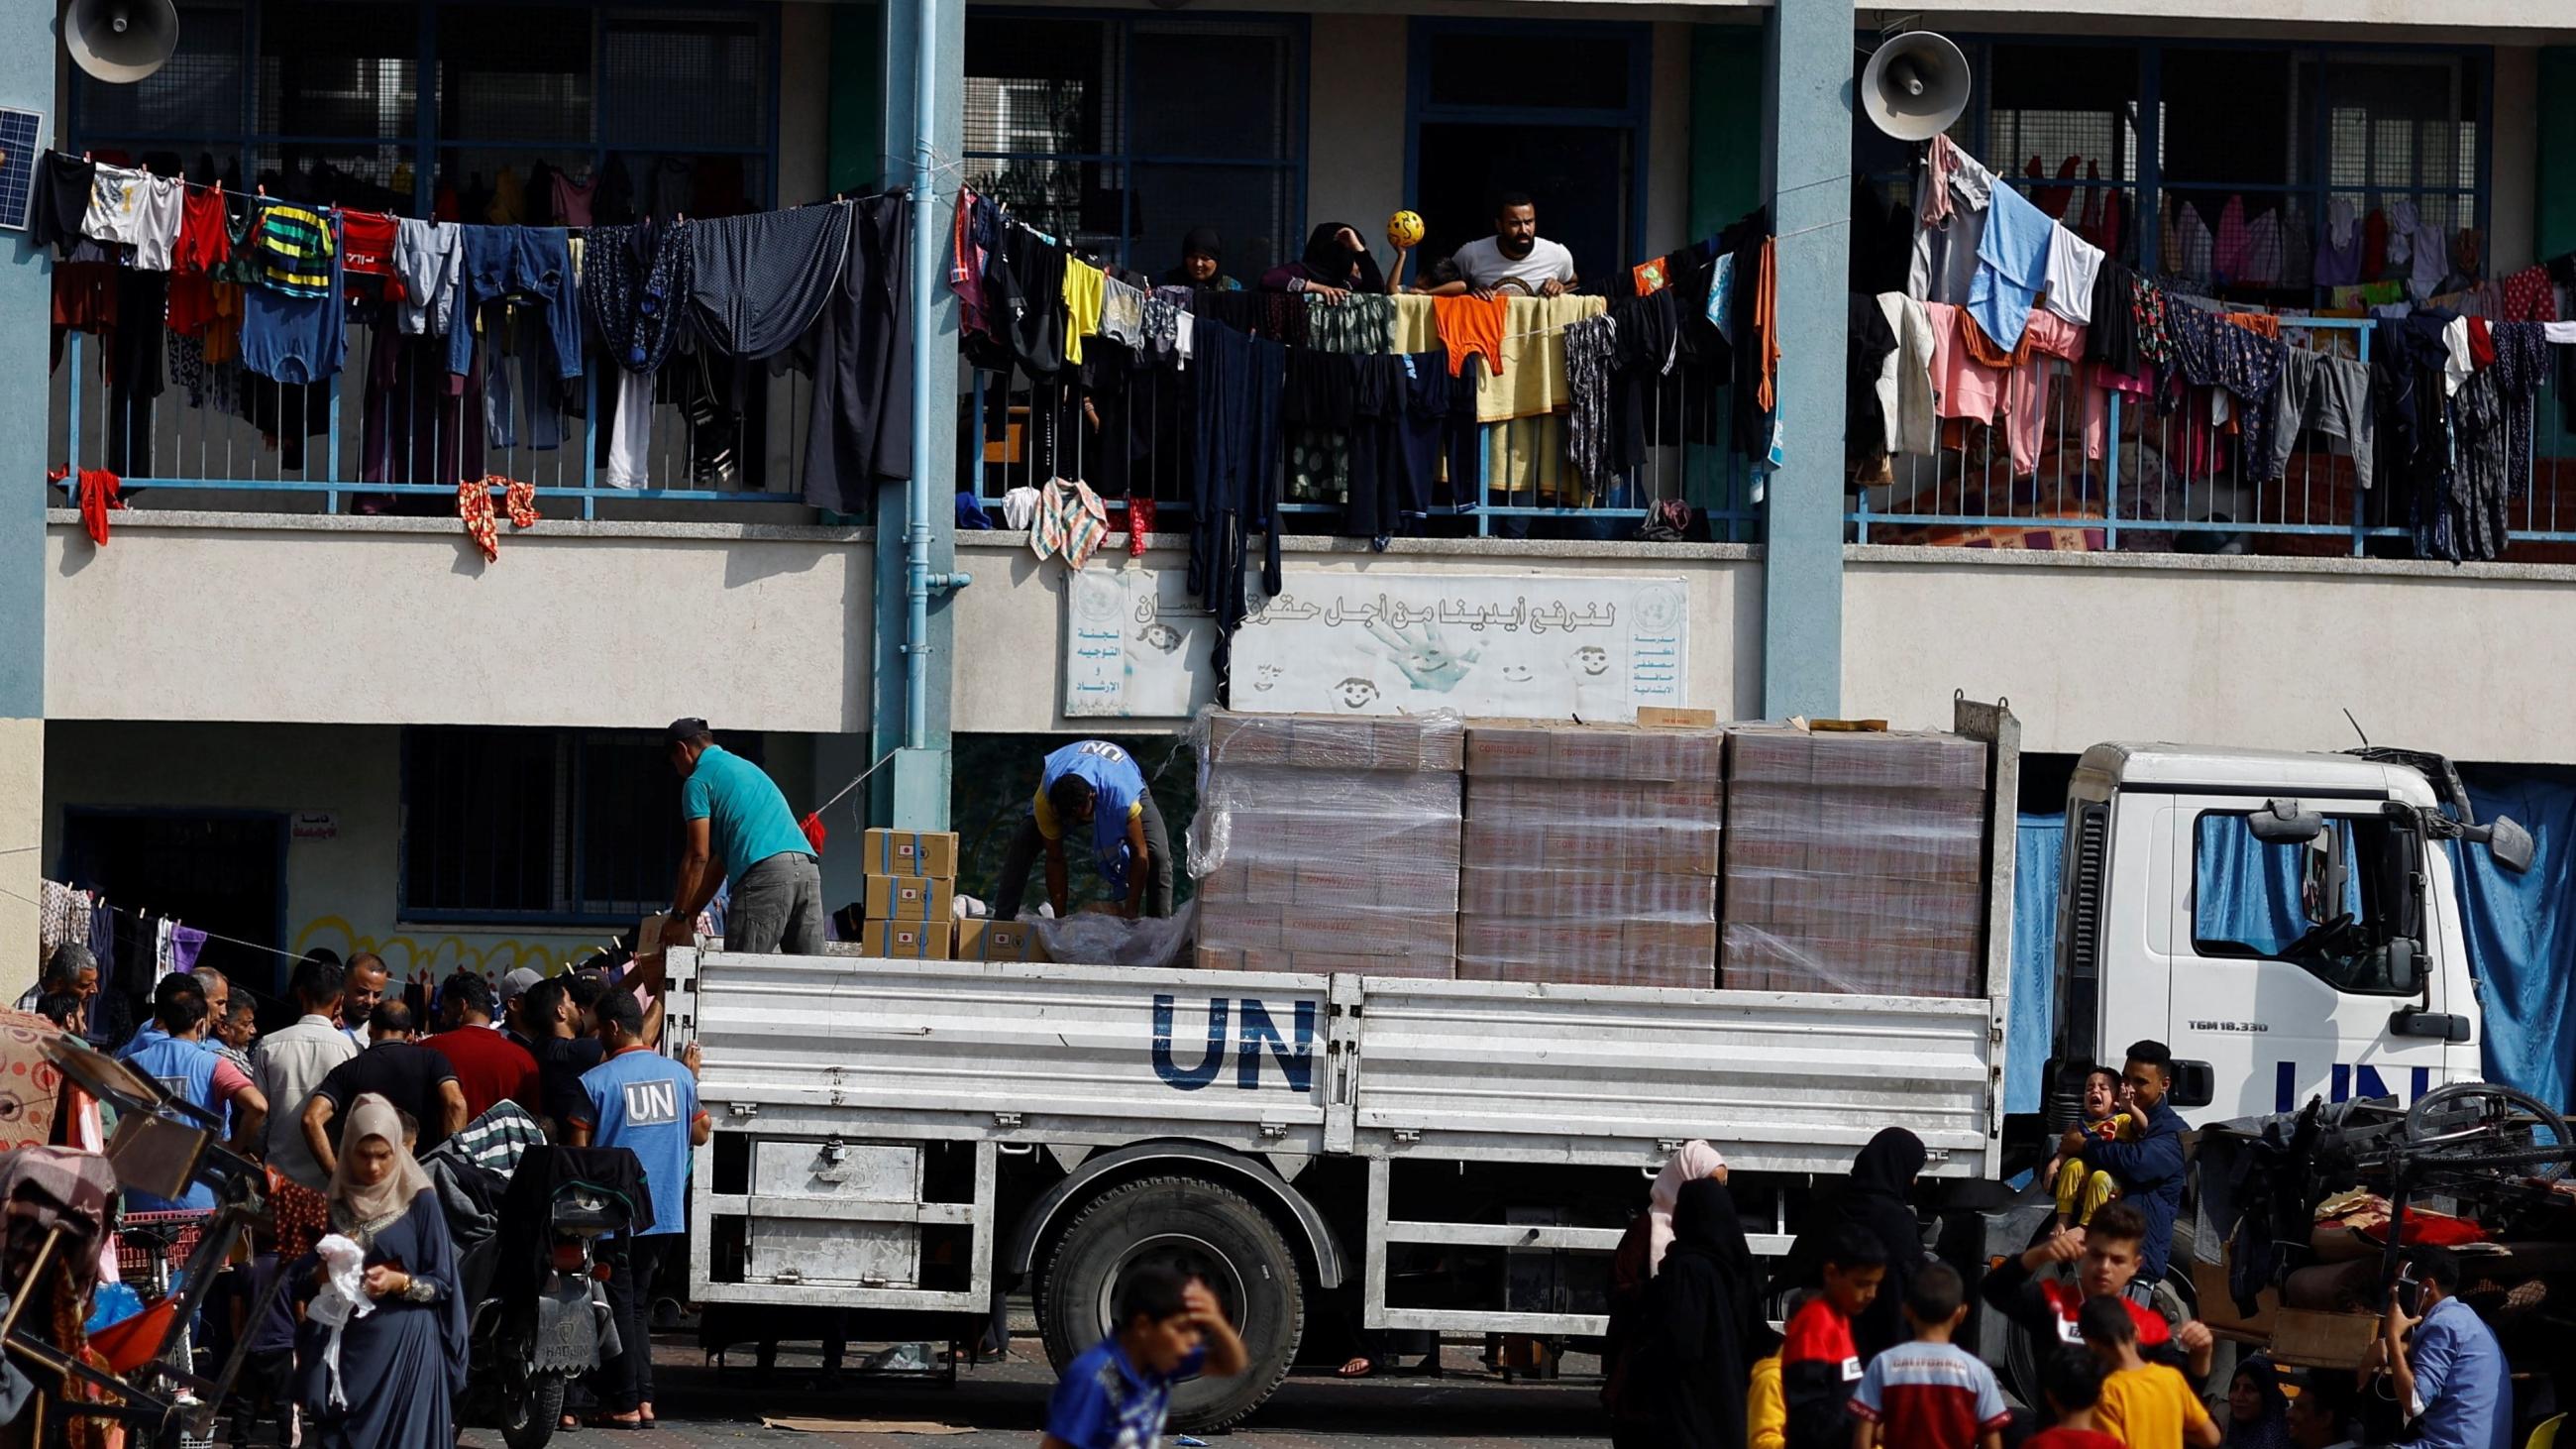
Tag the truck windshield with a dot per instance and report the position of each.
(2330, 905)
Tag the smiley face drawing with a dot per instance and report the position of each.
(1517, 673)
(1593, 660)
(1356, 693)
(1264, 677)
(1161, 636)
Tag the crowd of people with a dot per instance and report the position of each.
(340, 1107)
(1868, 1356)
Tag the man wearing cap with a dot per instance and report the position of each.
(739, 828)
(514, 998)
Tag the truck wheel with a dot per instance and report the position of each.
(1197, 1229)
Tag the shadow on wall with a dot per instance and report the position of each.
(997, 776)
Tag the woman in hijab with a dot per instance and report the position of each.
(1640, 1256)
(401, 1365)
(1703, 1330)
(1875, 1199)
(2258, 1413)
(1336, 264)
(1203, 262)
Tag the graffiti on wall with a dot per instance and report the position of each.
(431, 959)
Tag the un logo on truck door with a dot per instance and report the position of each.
(652, 1104)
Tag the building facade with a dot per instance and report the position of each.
(289, 701)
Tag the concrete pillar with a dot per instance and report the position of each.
(1806, 163)
(27, 55)
(912, 791)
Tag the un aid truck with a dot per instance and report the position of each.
(908, 1141)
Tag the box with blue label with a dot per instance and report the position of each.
(981, 939)
(930, 853)
(909, 898)
(906, 940)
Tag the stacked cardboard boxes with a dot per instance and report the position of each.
(1854, 862)
(1328, 844)
(1591, 854)
(911, 892)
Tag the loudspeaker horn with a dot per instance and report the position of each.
(121, 41)
(1916, 84)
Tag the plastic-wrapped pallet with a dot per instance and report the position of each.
(1591, 855)
(1855, 862)
(1327, 843)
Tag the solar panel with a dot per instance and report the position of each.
(22, 140)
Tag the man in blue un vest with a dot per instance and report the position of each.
(178, 1057)
(1093, 786)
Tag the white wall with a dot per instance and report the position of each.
(1355, 121)
(367, 620)
(2513, 194)
(2477, 662)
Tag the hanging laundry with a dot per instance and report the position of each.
(2012, 265)
(862, 433)
(58, 201)
(138, 209)
(1083, 284)
(474, 506)
(429, 257)
(1071, 521)
(2339, 250)
(1528, 379)
(2049, 339)
(295, 328)
(1589, 347)
(1020, 508)
(2073, 263)
(1944, 265)
(1469, 327)
(367, 243)
(2530, 297)
(2330, 395)
(517, 261)
(1906, 377)
(1963, 387)
(1140, 524)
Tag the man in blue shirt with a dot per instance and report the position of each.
(2448, 1368)
(2150, 1169)
(647, 1104)
(178, 1058)
(1093, 786)
(1115, 1395)
(739, 828)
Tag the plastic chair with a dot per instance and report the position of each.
(2546, 1436)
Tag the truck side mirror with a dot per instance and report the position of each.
(2405, 969)
(2282, 822)
(2509, 843)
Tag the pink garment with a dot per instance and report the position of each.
(966, 266)
(2229, 253)
(1942, 158)
(1967, 388)
(1690, 1162)
(572, 200)
(2026, 390)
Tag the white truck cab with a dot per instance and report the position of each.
(2287, 923)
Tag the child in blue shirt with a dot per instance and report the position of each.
(1116, 1395)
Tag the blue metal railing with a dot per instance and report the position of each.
(319, 446)
(2158, 486)
(1032, 431)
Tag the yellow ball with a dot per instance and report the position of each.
(1404, 229)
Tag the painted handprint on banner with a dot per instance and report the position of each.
(1423, 653)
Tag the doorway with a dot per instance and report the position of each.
(1554, 110)
(221, 872)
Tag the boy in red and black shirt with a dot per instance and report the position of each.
(1819, 1367)
(2108, 1253)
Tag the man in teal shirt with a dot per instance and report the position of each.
(739, 828)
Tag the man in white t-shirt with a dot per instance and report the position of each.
(1514, 254)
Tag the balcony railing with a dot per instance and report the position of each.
(393, 441)
(2164, 484)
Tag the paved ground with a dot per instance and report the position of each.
(1004, 1404)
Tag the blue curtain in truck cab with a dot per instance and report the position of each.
(2521, 932)
(2036, 868)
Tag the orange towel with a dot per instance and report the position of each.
(1470, 325)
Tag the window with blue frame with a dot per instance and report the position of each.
(1119, 134)
(2220, 165)
(414, 105)
(535, 825)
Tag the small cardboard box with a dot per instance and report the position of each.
(910, 898)
(1239, 928)
(980, 939)
(931, 853)
(1215, 958)
(905, 940)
